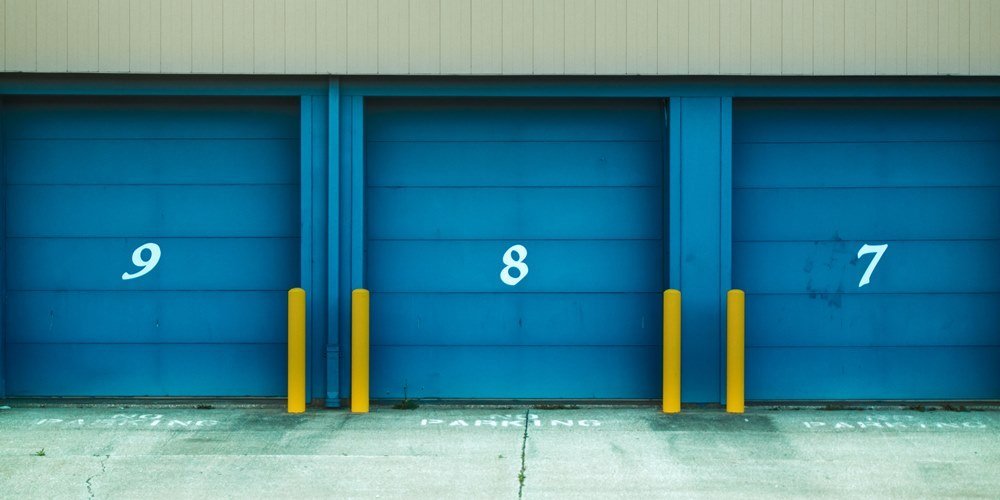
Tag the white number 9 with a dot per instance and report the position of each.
(147, 265)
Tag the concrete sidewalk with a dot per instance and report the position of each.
(504, 452)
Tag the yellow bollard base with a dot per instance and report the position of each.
(671, 351)
(296, 351)
(360, 334)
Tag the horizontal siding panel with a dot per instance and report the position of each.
(610, 163)
(883, 214)
(898, 373)
(189, 317)
(514, 120)
(922, 267)
(186, 264)
(861, 121)
(844, 319)
(550, 213)
(146, 370)
(516, 372)
(554, 266)
(141, 118)
(445, 319)
(516, 37)
(901, 164)
(153, 211)
(211, 161)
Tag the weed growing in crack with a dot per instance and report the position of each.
(406, 403)
(556, 407)
(39, 453)
(524, 445)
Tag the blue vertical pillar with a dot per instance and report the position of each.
(3, 257)
(332, 304)
(701, 237)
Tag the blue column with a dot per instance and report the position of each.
(3, 257)
(313, 157)
(331, 305)
(701, 237)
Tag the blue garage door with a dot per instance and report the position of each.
(867, 238)
(515, 248)
(149, 244)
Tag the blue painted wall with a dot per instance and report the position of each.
(90, 180)
(699, 243)
(452, 184)
(816, 180)
(709, 225)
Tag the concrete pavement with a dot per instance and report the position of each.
(128, 451)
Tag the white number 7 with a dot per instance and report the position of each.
(866, 249)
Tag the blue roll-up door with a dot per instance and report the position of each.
(824, 188)
(210, 185)
(454, 186)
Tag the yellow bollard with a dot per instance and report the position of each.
(360, 300)
(296, 350)
(735, 334)
(671, 351)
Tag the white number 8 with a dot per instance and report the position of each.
(147, 265)
(508, 260)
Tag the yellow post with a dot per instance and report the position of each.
(671, 351)
(360, 300)
(735, 333)
(296, 350)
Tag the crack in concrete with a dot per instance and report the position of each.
(524, 446)
(90, 486)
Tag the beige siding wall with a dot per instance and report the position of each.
(510, 37)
